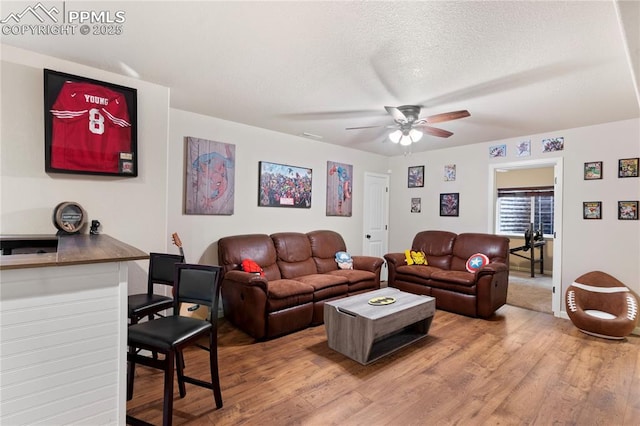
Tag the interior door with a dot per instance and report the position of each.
(376, 217)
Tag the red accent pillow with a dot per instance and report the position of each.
(251, 266)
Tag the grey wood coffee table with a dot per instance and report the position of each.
(365, 333)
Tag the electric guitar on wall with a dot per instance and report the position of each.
(189, 309)
(177, 242)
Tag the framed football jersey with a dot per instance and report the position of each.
(90, 126)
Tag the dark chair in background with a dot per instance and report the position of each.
(161, 271)
(169, 336)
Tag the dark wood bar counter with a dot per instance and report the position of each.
(72, 250)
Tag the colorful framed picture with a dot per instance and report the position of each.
(416, 205)
(498, 151)
(90, 126)
(523, 149)
(592, 210)
(339, 187)
(628, 167)
(450, 204)
(449, 172)
(416, 177)
(210, 177)
(552, 144)
(628, 210)
(593, 170)
(281, 185)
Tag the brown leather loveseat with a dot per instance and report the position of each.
(300, 274)
(445, 276)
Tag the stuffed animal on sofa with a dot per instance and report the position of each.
(344, 261)
(415, 257)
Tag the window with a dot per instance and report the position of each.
(519, 207)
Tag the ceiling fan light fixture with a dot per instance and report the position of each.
(395, 136)
(405, 140)
(415, 135)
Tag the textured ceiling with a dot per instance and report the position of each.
(519, 67)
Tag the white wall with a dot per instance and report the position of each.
(200, 233)
(130, 209)
(144, 211)
(610, 245)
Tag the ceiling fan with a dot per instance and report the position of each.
(410, 128)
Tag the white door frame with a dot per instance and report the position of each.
(557, 164)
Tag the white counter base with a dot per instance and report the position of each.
(63, 340)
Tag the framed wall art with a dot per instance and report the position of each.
(523, 149)
(553, 144)
(498, 151)
(339, 187)
(450, 204)
(90, 126)
(593, 170)
(628, 167)
(281, 185)
(210, 177)
(449, 172)
(416, 205)
(628, 210)
(416, 177)
(592, 210)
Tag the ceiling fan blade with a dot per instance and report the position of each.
(434, 131)
(363, 127)
(396, 114)
(447, 116)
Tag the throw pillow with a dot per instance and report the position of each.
(249, 265)
(415, 257)
(344, 261)
(476, 262)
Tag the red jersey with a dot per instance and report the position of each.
(90, 128)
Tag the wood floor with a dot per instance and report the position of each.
(522, 367)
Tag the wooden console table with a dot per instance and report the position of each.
(63, 330)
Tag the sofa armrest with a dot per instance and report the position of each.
(367, 263)
(396, 259)
(492, 283)
(246, 278)
(494, 267)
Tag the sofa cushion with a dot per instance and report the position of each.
(455, 277)
(494, 246)
(420, 271)
(285, 294)
(437, 247)
(324, 246)
(294, 254)
(259, 247)
(326, 285)
(359, 280)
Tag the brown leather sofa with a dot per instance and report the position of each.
(446, 278)
(300, 274)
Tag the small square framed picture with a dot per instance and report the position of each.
(450, 204)
(593, 170)
(592, 210)
(416, 177)
(628, 167)
(416, 205)
(627, 210)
